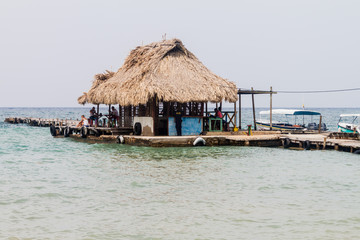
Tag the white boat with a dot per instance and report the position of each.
(349, 123)
(292, 119)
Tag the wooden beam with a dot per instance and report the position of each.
(206, 107)
(97, 118)
(153, 114)
(253, 107)
(202, 109)
(167, 109)
(239, 111)
(270, 108)
(235, 113)
(121, 123)
(109, 114)
(252, 91)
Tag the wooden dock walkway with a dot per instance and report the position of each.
(348, 142)
(337, 141)
(41, 122)
(67, 126)
(291, 141)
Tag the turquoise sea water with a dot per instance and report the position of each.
(56, 188)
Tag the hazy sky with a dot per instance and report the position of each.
(50, 50)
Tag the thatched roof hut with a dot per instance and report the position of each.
(165, 70)
(98, 80)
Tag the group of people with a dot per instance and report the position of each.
(114, 115)
(218, 114)
(94, 117)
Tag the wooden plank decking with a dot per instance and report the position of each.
(41, 122)
(61, 124)
(322, 141)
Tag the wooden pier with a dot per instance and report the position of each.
(66, 127)
(348, 142)
(215, 140)
(41, 122)
(290, 141)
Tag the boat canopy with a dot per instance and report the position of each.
(291, 112)
(350, 115)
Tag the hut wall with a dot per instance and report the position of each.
(157, 118)
(189, 126)
(147, 125)
(128, 116)
(121, 115)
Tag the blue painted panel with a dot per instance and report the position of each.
(189, 126)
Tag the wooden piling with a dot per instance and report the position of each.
(270, 108)
(235, 114)
(253, 107)
(320, 123)
(239, 110)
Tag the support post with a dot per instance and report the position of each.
(206, 107)
(130, 122)
(154, 115)
(109, 114)
(234, 114)
(121, 123)
(239, 109)
(167, 110)
(118, 120)
(97, 118)
(270, 108)
(202, 109)
(320, 123)
(253, 107)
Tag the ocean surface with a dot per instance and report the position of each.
(56, 188)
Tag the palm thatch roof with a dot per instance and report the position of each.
(98, 79)
(166, 70)
(83, 99)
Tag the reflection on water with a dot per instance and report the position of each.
(64, 189)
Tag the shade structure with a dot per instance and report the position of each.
(294, 112)
(165, 70)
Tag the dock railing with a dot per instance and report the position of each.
(228, 118)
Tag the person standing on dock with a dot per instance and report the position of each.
(114, 114)
(178, 120)
(93, 116)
